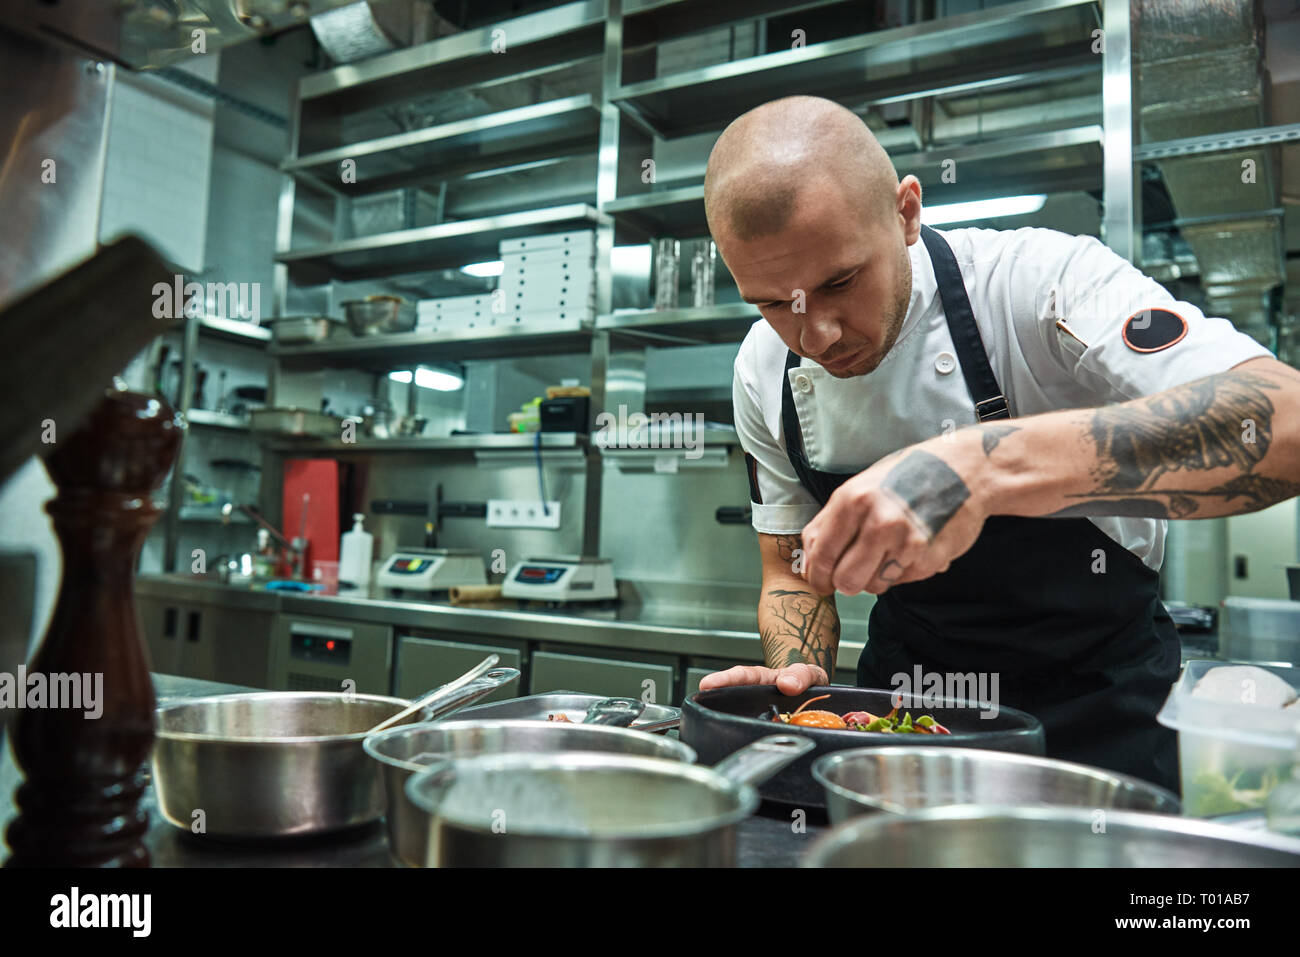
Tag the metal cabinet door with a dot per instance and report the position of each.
(602, 676)
(320, 654)
(425, 663)
(211, 642)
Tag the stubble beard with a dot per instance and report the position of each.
(893, 325)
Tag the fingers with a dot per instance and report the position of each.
(796, 679)
(792, 680)
(739, 675)
(827, 536)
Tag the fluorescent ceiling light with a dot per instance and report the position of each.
(982, 209)
(429, 379)
(484, 270)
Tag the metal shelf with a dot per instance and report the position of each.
(1004, 45)
(547, 130)
(446, 245)
(219, 420)
(1054, 161)
(405, 349)
(712, 324)
(1051, 162)
(536, 42)
(669, 212)
(234, 330)
(450, 443)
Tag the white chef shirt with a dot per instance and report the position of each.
(1019, 283)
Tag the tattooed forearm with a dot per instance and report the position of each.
(1221, 422)
(932, 492)
(798, 627)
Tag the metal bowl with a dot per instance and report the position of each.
(404, 751)
(378, 314)
(990, 836)
(903, 779)
(269, 764)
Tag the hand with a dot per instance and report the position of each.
(791, 680)
(902, 520)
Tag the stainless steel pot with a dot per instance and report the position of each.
(989, 836)
(405, 751)
(903, 779)
(591, 809)
(376, 315)
(277, 763)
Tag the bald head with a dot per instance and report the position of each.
(768, 157)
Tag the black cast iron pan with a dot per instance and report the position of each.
(718, 722)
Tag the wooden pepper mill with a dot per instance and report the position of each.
(79, 805)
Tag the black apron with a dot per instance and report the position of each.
(1090, 654)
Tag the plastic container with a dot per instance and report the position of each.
(326, 574)
(1230, 756)
(356, 549)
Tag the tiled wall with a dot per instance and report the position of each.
(159, 157)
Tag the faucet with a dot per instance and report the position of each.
(296, 547)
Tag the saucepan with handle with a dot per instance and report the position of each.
(284, 763)
(592, 809)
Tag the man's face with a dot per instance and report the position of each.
(834, 283)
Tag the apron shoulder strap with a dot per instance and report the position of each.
(983, 386)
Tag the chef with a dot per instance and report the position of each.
(985, 429)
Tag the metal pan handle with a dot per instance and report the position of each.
(758, 761)
(617, 712)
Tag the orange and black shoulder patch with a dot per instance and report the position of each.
(1152, 330)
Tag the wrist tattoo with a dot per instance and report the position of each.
(802, 628)
(931, 490)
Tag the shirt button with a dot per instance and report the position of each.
(802, 383)
(945, 363)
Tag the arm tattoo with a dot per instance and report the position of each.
(787, 545)
(804, 617)
(932, 492)
(994, 434)
(1222, 421)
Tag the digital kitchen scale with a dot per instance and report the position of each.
(431, 569)
(561, 579)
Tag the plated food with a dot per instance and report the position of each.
(858, 720)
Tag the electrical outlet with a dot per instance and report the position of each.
(522, 513)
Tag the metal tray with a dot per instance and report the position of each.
(655, 718)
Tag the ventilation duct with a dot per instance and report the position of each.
(1200, 73)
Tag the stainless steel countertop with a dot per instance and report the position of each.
(697, 630)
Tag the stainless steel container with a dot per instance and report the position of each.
(290, 329)
(989, 836)
(592, 809)
(404, 751)
(377, 315)
(903, 779)
(269, 763)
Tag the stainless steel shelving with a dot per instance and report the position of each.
(220, 420)
(233, 330)
(399, 350)
(522, 442)
(555, 128)
(430, 247)
(601, 57)
(955, 54)
(704, 324)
